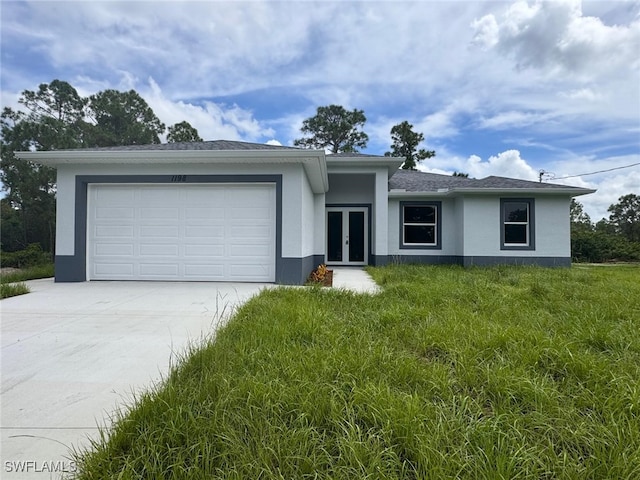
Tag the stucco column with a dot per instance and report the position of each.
(380, 239)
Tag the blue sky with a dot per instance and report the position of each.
(497, 88)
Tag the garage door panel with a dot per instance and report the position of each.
(115, 196)
(159, 231)
(158, 195)
(114, 249)
(182, 232)
(154, 213)
(204, 271)
(255, 252)
(245, 271)
(153, 250)
(250, 213)
(115, 212)
(243, 233)
(215, 231)
(205, 195)
(159, 270)
(204, 213)
(204, 251)
(113, 231)
(115, 269)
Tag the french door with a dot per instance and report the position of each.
(347, 235)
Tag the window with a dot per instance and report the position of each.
(517, 224)
(420, 224)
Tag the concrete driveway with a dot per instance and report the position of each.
(72, 353)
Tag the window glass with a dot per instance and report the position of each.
(425, 234)
(419, 214)
(515, 233)
(516, 212)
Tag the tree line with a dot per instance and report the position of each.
(614, 239)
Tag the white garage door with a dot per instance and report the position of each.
(182, 232)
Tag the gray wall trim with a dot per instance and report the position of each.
(68, 269)
(540, 261)
(369, 207)
(381, 260)
(73, 268)
(476, 261)
(420, 203)
(295, 271)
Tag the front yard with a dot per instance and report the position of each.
(449, 373)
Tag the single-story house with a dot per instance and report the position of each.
(238, 211)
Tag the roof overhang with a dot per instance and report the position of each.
(364, 163)
(460, 191)
(313, 161)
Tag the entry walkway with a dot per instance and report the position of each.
(355, 279)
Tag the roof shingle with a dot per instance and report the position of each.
(412, 181)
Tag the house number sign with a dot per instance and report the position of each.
(178, 178)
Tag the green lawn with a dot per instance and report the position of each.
(450, 373)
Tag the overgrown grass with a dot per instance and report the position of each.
(449, 373)
(30, 273)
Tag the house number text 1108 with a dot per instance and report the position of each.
(178, 178)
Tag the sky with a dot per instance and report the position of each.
(497, 88)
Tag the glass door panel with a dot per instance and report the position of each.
(356, 236)
(334, 236)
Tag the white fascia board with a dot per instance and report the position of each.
(364, 164)
(313, 161)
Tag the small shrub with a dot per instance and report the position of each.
(321, 276)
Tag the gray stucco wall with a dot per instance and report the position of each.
(471, 228)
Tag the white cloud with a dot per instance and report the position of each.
(557, 36)
(505, 164)
(213, 121)
(511, 119)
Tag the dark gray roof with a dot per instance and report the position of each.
(208, 145)
(413, 181)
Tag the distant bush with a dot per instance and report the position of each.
(598, 247)
(31, 256)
